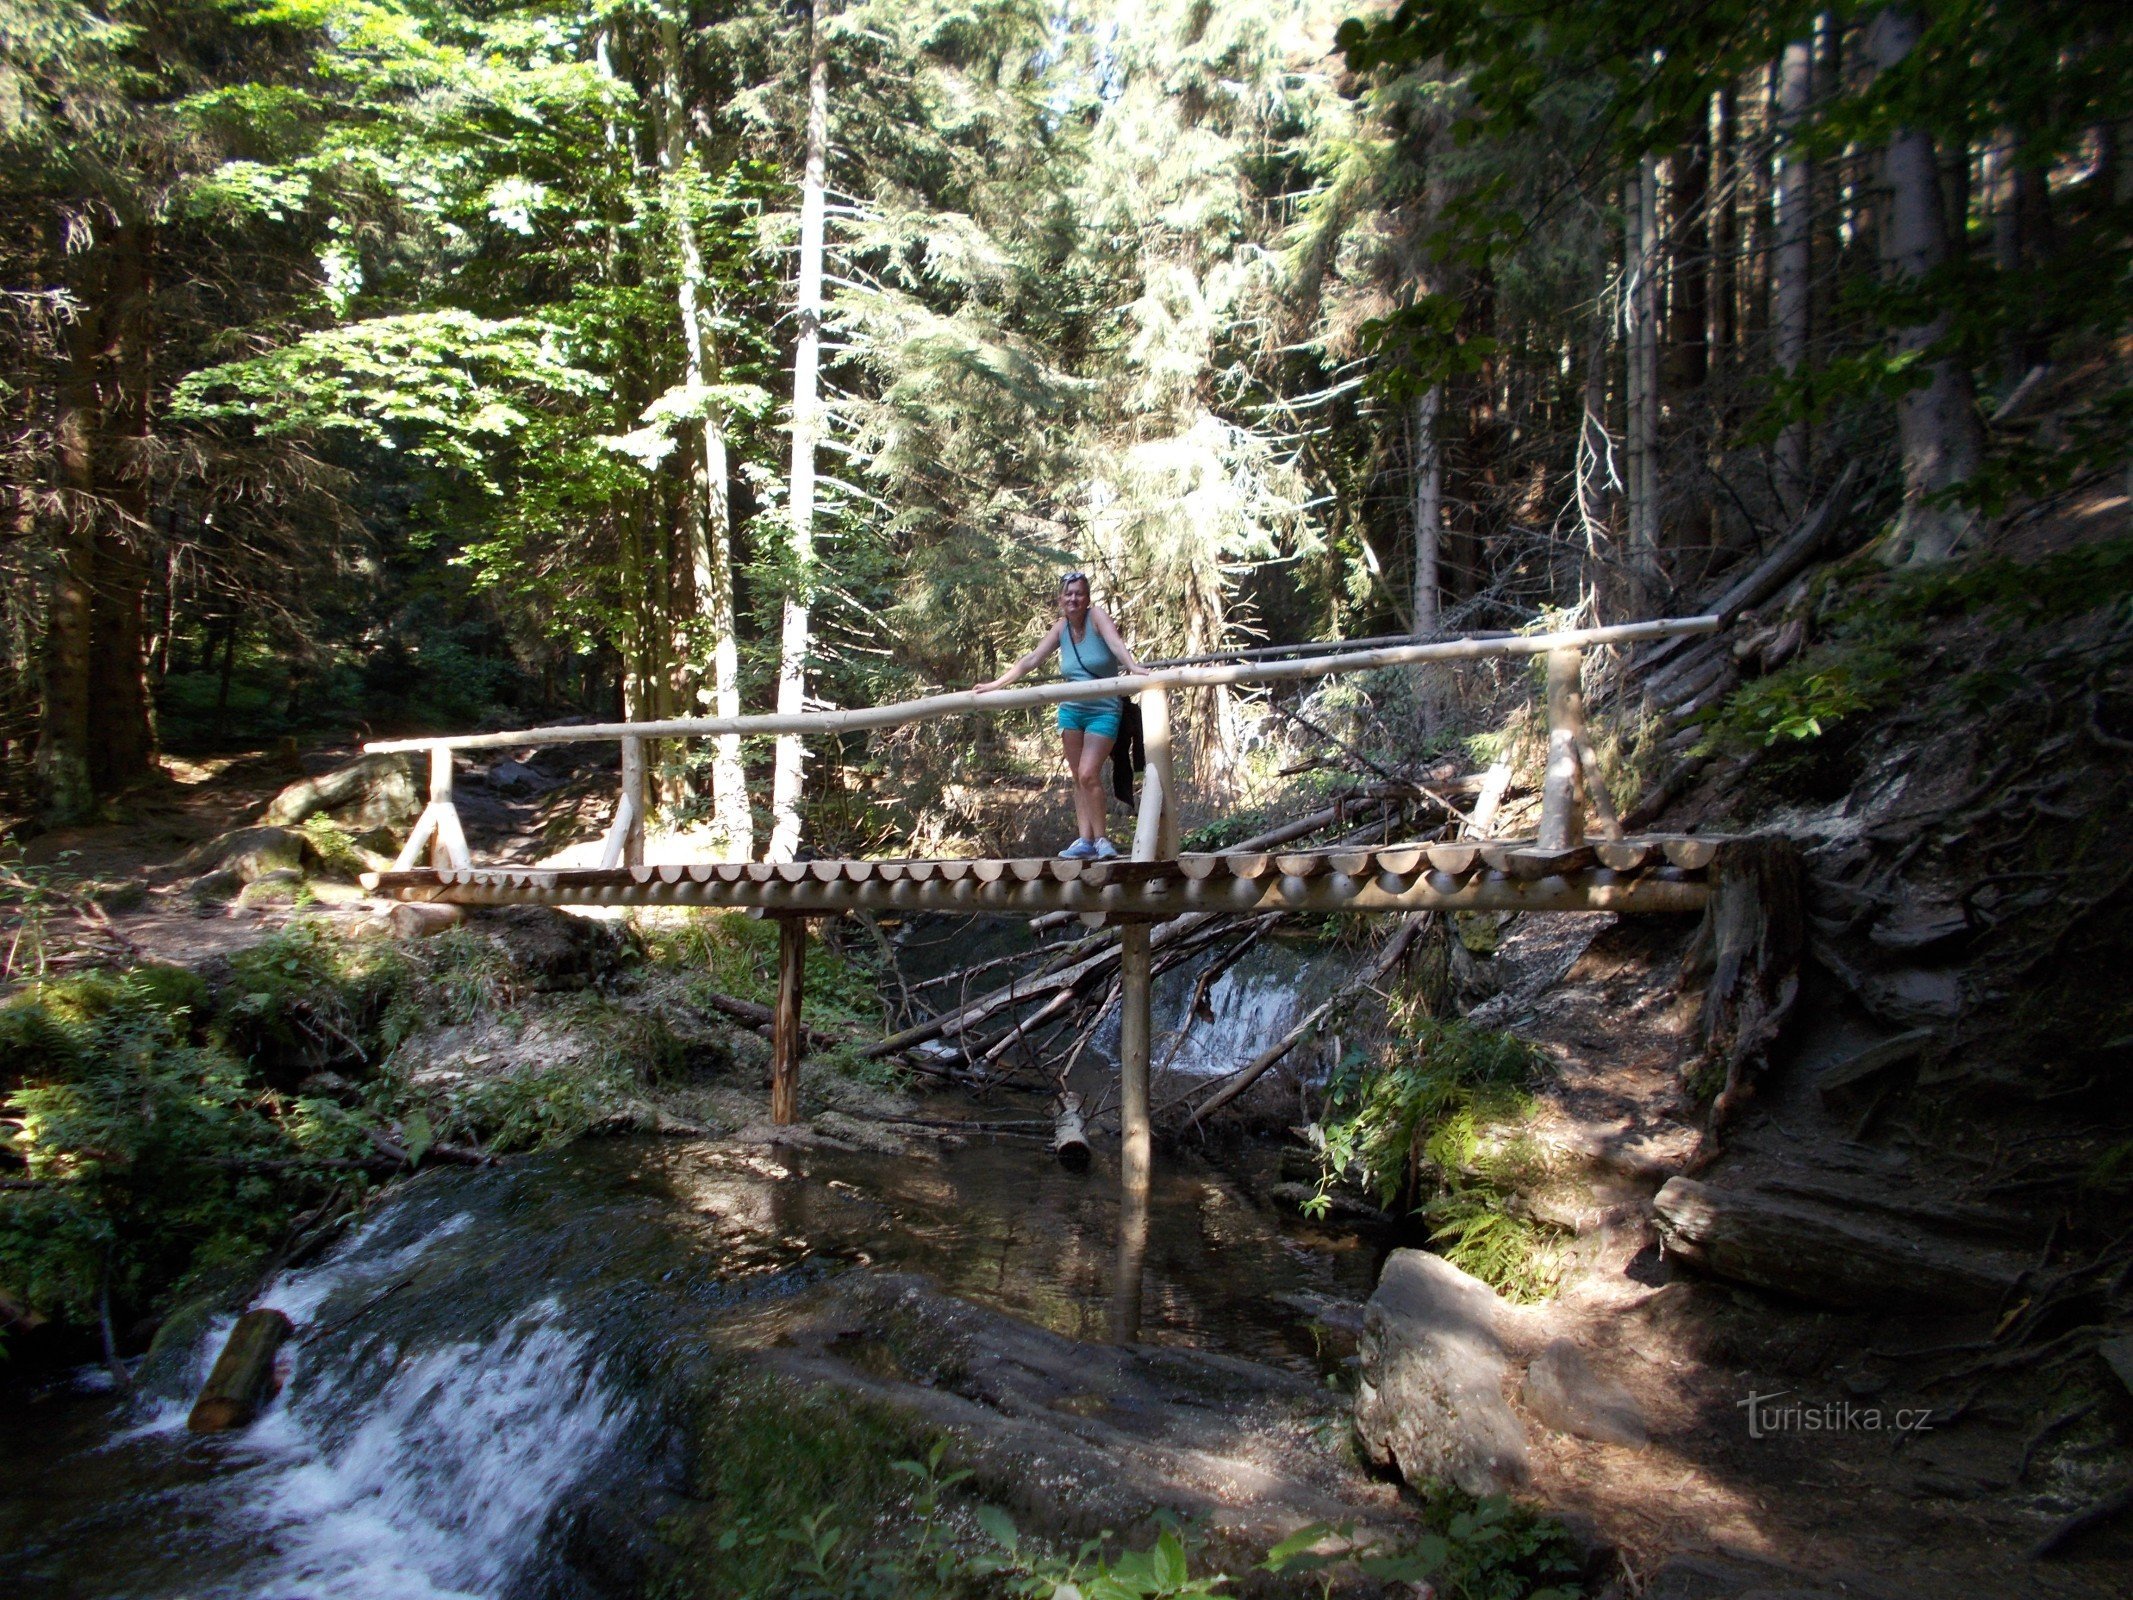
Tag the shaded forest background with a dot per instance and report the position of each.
(379, 366)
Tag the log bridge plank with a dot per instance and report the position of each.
(1658, 875)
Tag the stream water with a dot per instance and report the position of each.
(475, 1361)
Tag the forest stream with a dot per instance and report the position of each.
(482, 1358)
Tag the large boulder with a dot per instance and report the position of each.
(369, 792)
(1431, 1400)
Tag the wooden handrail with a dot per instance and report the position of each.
(967, 702)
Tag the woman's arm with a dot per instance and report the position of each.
(1027, 665)
(1104, 626)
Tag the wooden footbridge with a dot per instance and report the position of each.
(1578, 861)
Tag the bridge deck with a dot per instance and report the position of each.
(1646, 874)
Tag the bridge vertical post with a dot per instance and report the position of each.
(1561, 821)
(1136, 1141)
(633, 797)
(1159, 813)
(788, 1041)
(448, 841)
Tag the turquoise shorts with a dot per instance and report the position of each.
(1097, 717)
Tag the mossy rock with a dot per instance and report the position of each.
(250, 853)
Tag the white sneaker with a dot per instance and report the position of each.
(1105, 850)
(1079, 850)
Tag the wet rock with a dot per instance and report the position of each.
(250, 853)
(1564, 1393)
(370, 792)
(2118, 1356)
(1431, 1399)
(1072, 1438)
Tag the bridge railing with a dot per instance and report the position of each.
(1571, 771)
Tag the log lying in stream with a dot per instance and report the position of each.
(1070, 1134)
(243, 1379)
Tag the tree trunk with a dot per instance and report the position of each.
(1688, 350)
(96, 734)
(1791, 275)
(1937, 423)
(1640, 308)
(806, 423)
(709, 514)
(1429, 511)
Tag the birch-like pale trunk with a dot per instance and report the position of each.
(708, 519)
(786, 772)
(1937, 423)
(1429, 511)
(1791, 305)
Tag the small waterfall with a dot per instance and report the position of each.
(1247, 1008)
(441, 1482)
(401, 1461)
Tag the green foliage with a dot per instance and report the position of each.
(305, 995)
(926, 1548)
(148, 1153)
(1432, 1119)
(727, 953)
(1803, 700)
(1876, 647)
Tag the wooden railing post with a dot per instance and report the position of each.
(624, 845)
(1155, 832)
(788, 1040)
(1561, 824)
(437, 837)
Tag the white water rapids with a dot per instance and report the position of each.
(402, 1474)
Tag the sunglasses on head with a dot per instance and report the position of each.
(1073, 577)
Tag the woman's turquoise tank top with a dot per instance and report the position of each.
(1086, 657)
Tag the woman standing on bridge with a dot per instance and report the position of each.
(1089, 647)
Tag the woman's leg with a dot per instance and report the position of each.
(1073, 740)
(1089, 774)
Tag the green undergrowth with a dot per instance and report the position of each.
(1429, 1124)
(160, 1126)
(1877, 633)
(729, 953)
(799, 1495)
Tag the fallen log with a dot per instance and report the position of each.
(1829, 1257)
(1771, 573)
(761, 1018)
(243, 1379)
(1070, 1134)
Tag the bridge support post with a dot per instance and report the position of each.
(1155, 835)
(437, 836)
(1561, 821)
(788, 1036)
(624, 845)
(1136, 1142)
